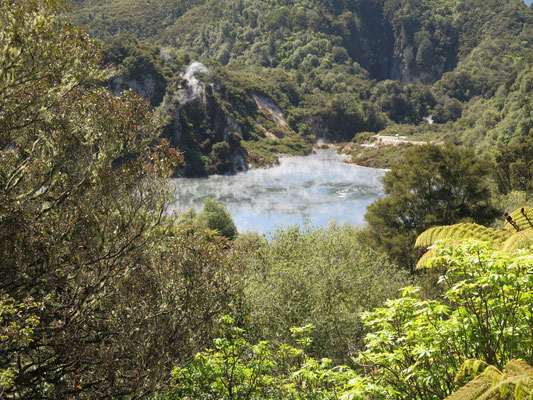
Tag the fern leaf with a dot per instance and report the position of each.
(423, 261)
(519, 367)
(492, 384)
(471, 391)
(459, 232)
(470, 366)
(519, 240)
(500, 388)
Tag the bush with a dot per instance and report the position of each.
(214, 216)
(323, 277)
(416, 347)
(237, 369)
(434, 185)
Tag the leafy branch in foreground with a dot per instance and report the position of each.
(416, 347)
(237, 369)
(99, 296)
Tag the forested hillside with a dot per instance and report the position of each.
(333, 69)
(106, 295)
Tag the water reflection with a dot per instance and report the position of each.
(301, 190)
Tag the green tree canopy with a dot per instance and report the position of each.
(99, 296)
(214, 216)
(324, 277)
(433, 185)
(515, 166)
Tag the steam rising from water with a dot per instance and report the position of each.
(314, 189)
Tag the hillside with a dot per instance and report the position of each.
(333, 68)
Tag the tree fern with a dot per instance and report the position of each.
(522, 217)
(515, 382)
(518, 234)
(519, 240)
(460, 232)
(428, 255)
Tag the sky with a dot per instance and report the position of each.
(528, 2)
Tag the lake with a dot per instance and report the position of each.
(311, 190)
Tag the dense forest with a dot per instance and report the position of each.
(281, 74)
(104, 294)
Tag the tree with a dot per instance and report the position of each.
(220, 157)
(434, 185)
(215, 217)
(425, 55)
(99, 296)
(324, 277)
(515, 166)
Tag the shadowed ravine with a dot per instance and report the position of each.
(301, 190)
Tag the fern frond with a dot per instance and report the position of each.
(423, 261)
(518, 240)
(470, 366)
(471, 391)
(459, 232)
(522, 219)
(519, 367)
(500, 388)
(516, 382)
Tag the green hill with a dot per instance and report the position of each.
(333, 69)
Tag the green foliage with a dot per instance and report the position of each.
(416, 347)
(139, 64)
(215, 217)
(515, 166)
(459, 232)
(409, 103)
(510, 239)
(414, 39)
(101, 294)
(119, 296)
(237, 369)
(17, 324)
(323, 277)
(499, 89)
(434, 185)
(221, 157)
(314, 60)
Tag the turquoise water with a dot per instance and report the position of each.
(312, 190)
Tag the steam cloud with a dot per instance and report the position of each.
(314, 189)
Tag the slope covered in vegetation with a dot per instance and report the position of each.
(334, 69)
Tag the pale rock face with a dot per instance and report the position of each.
(238, 162)
(145, 88)
(268, 105)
